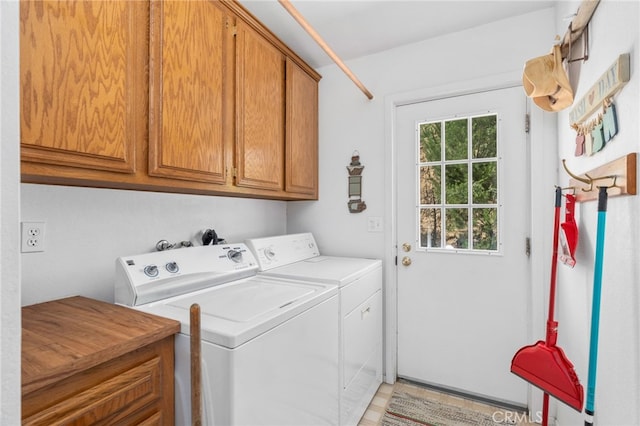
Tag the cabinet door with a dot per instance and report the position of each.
(188, 47)
(260, 91)
(302, 132)
(76, 78)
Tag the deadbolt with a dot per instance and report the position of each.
(406, 261)
(406, 247)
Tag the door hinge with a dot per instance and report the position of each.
(396, 260)
(527, 123)
(527, 246)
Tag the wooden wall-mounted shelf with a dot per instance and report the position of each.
(624, 169)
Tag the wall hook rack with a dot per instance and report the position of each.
(620, 174)
(573, 189)
(578, 25)
(585, 45)
(588, 179)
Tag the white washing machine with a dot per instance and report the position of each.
(296, 256)
(269, 346)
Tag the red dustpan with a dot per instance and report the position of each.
(548, 368)
(569, 235)
(544, 364)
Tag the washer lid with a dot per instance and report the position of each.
(247, 301)
(234, 313)
(326, 269)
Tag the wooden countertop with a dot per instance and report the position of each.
(63, 337)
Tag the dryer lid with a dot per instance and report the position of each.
(327, 269)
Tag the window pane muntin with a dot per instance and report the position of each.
(431, 185)
(456, 139)
(457, 225)
(430, 227)
(484, 136)
(456, 183)
(484, 182)
(487, 147)
(430, 142)
(485, 228)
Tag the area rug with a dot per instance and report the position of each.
(408, 410)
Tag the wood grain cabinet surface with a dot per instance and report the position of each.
(260, 103)
(189, 84)
(302, 132)
(165, 95)
(86, 362)
(76, 61)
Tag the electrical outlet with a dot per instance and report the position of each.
(32, 237)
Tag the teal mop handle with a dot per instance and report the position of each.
(595, 306)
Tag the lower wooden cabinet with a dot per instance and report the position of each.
(87, 362)
(136, 388)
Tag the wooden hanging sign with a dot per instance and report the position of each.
(608, 85)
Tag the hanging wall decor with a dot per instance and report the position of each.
(355, 203)
(607, 85)
(593, 133)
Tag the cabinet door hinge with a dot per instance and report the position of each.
(527, 123)
(234, 30)
(234, 171)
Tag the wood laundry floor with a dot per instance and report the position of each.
(376, 409)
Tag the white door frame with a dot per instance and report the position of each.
(542, 176)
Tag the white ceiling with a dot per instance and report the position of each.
(355, 28)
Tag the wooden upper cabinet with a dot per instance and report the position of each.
(302, 132)
(189, 47)
(260, 111)
(164, 95)
(77, 63)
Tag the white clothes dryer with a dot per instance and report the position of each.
(296, 256)
(269, 349)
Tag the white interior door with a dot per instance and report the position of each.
(462, 207)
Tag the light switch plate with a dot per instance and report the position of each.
(374, 224)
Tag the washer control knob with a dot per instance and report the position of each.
(172, 267)
(235, 256)
(151, 271)
(269, 253)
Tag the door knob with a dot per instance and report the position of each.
(406, 247)
(406, 261)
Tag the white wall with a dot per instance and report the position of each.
(9, 211)
(348, 121)
(88, 228)
(613, 31)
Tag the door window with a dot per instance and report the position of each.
(458, 166)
